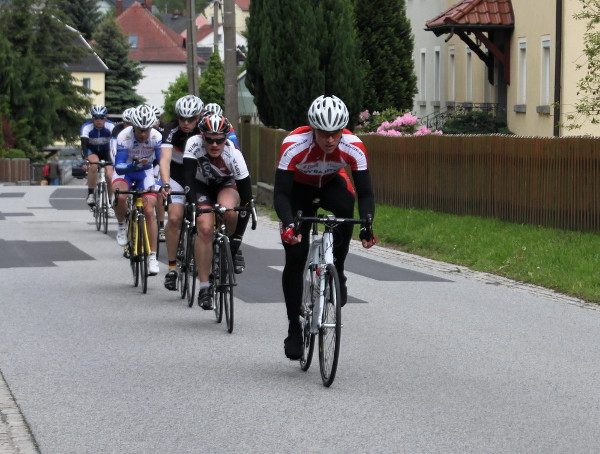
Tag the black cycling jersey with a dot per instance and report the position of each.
(174, 137)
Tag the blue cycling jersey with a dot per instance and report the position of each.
(99, 138)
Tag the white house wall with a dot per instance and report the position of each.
(157, 78)
(430, 73)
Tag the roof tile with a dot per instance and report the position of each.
(476, 12)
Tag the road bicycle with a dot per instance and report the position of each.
(185, 260)
(321, 310)
(137, 248)
(222, 271)
(100, 208)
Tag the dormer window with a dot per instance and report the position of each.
(133, 41)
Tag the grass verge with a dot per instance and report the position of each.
(558, 259)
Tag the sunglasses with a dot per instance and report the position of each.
(210, 140)
(142, 130)
(187, 119)
(98, 117)
(326, 134)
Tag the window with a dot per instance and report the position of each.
(469, 75)
(545, 73)
(487, 87)
(436, 75)
(87, 83)
(451, 75)
(522, 74)
(133, 41)
(422, 76)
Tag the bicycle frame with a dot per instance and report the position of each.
(320, 255)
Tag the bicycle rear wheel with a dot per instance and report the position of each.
(310, 290)
(143, 252)
(227, 282)
(216, 282)
(331, 327)
(190, 267)
(181, 263)
(96, 208)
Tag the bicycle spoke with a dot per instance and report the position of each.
(308, 339)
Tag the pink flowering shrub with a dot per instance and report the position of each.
(400, 125)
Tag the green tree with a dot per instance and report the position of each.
(83, 15)
(37, 93)
(587, 108)
(123, 73)
(387, 47)
(298, 51)
(211, 85)
(176, 90)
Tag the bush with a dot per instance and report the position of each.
(12, 153)
(476, 122)
(391, 122)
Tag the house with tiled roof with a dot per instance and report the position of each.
(511, 57)
(160, 49)
(90, 71)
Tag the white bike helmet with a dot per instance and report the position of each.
(213, 108)
(127, 114)
(143, 117)
(328, 113)
(188, 106)
(99, 111)
(157, 110)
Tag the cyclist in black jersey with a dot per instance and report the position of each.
(175, 136)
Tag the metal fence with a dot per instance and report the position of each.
(553, 182)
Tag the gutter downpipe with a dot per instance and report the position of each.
(558, 67)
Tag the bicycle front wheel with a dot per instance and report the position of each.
(97, 209)
(143, 252)
(190, 267)
(132, 245)
(331, 327)
(104, 208)
(310, 291)
(227, 282)
(216, 282)
(181, 262)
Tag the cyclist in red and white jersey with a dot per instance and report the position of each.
(312, 162)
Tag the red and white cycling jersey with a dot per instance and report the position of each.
(312, 166)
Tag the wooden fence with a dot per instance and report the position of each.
(553, 182)
(14, 170)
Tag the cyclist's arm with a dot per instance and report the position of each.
(85, 141)
(165, 164)
(364, 191)
(190, 165)
(282, 195)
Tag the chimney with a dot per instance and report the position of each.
(148, 5)
(119, 8)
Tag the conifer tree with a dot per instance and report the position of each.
(83, 15)
(123, 73)
(298, 51)
(211, 86)
(36, 89)
(387, 46)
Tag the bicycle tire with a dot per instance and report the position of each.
(180, 262)
(104, 213)
(216, 281)
(96, 208)
(331, 327)
(143, 252)
(310, 280)
(227, 283)
(157, 238)
(133, 253)
(190, 267)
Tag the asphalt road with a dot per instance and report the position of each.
(435, 358)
